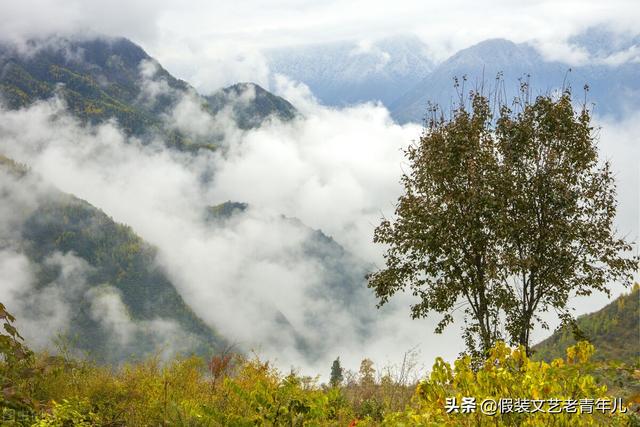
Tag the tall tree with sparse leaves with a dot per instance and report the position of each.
(502, 217)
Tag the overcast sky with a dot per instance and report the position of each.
(225, 36)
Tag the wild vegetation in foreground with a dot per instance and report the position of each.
(234, 390)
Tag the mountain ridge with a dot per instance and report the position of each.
(349, 72)
(251, 104)
(338, 77)
(611, 87)
(106, 78)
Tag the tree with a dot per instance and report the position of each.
(336, 373)
(502, 218)
(442, 245)
(367, 372)
(557, 228)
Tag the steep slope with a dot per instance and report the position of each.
(113, 78)
(250, 105)
(613, 88)
(345, 73)
(120, 303)
(614, 330)
(99, 79)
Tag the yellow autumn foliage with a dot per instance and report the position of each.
(509, 375)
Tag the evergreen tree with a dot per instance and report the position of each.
(336, 373)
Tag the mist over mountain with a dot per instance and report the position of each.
(251, 105)
(344, 73)
(113, 78)
(120, 297)
(86, 279)
(345, 271)
(342, 284)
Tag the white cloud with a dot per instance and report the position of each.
(215, 43)
(107, 309)
(632, 54)
(42, 313)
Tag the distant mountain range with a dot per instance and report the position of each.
(399, 73)
(344, 73)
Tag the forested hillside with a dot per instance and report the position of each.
(114, 270)
(99, 79)
(105, 78)
(614, 330)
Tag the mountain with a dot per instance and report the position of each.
(113, 78)
(479, 63)
(614, 89)
(99, 79)
(398, 72)
(614, 331)
(251, 105)
(120, 302)
(343, 73)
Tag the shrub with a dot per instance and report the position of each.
(509, 373)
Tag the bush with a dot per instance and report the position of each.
(233, 390)
(509, 373)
